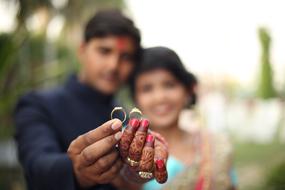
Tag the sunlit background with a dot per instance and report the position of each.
(242, 85)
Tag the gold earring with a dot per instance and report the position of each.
(119, 109)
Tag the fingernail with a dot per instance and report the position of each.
(144, 124)
(134, 123)
(149, 138)
(160, 166)
(116, 125)
(118, 135)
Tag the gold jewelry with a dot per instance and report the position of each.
(119, 109)
(132, 162)
(135, 113)
(146, 175)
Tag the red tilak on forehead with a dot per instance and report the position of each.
(121, 43)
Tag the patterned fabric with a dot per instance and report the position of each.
(210, 169)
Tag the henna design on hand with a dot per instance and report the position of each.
(127, 137)
(137, 145)
(146, 163)
(160, 172)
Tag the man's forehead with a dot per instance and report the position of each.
(120, 41)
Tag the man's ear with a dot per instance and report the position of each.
(81, 51)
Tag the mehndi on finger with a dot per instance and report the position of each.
(127, 137)
(160, 172)
(160, 150)
(135, 150)
(147, 158)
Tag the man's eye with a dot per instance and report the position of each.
(104, 51)
(127, 57)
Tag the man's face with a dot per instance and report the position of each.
(106, 62)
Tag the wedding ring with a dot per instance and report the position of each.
(135, 113)
(121, 109)
(132, 162)
(146, 175)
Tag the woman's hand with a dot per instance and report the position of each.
(145, 153)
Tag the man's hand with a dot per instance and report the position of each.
(94, 156)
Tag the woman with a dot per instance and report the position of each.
(162, 88)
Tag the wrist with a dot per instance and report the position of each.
(82, 183)
(130, 175)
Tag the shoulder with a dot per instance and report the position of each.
(221, 145)
(40, 99)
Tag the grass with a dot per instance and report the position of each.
(255, 161)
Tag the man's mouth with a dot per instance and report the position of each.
(110, 77)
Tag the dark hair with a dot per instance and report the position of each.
(165, 58)
(112, 22)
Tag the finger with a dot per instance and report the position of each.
(138, 142)
(109, 175)
(159, 137)
(98, 149)
(160, 172)
(160, 151)
(127, 137)
(147, 158)
(82, 141)
(104, 163)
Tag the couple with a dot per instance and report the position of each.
(66, 139)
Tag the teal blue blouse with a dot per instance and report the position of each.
(174, 167)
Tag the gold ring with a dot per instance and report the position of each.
(119, 109)
(135, 113)
(146, 175)
(132, 162)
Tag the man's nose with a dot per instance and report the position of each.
(114, 62)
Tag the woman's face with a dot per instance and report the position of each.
(161, 97)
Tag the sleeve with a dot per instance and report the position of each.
(45, 166)
(234, 177)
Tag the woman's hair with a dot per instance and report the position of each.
(164, 58)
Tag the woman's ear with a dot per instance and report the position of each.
(187, 98)
(191, 96)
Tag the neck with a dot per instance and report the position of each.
(170, 133)
(85, 91)
(81, 77)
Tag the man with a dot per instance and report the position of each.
(69, 119)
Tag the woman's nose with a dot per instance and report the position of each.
(159, 95)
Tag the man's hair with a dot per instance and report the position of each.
(112, 23)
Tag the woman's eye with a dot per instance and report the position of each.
(169, 84)
(146, 88)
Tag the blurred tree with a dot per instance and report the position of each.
(276, 178)
(265, 87)
(29, 60)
